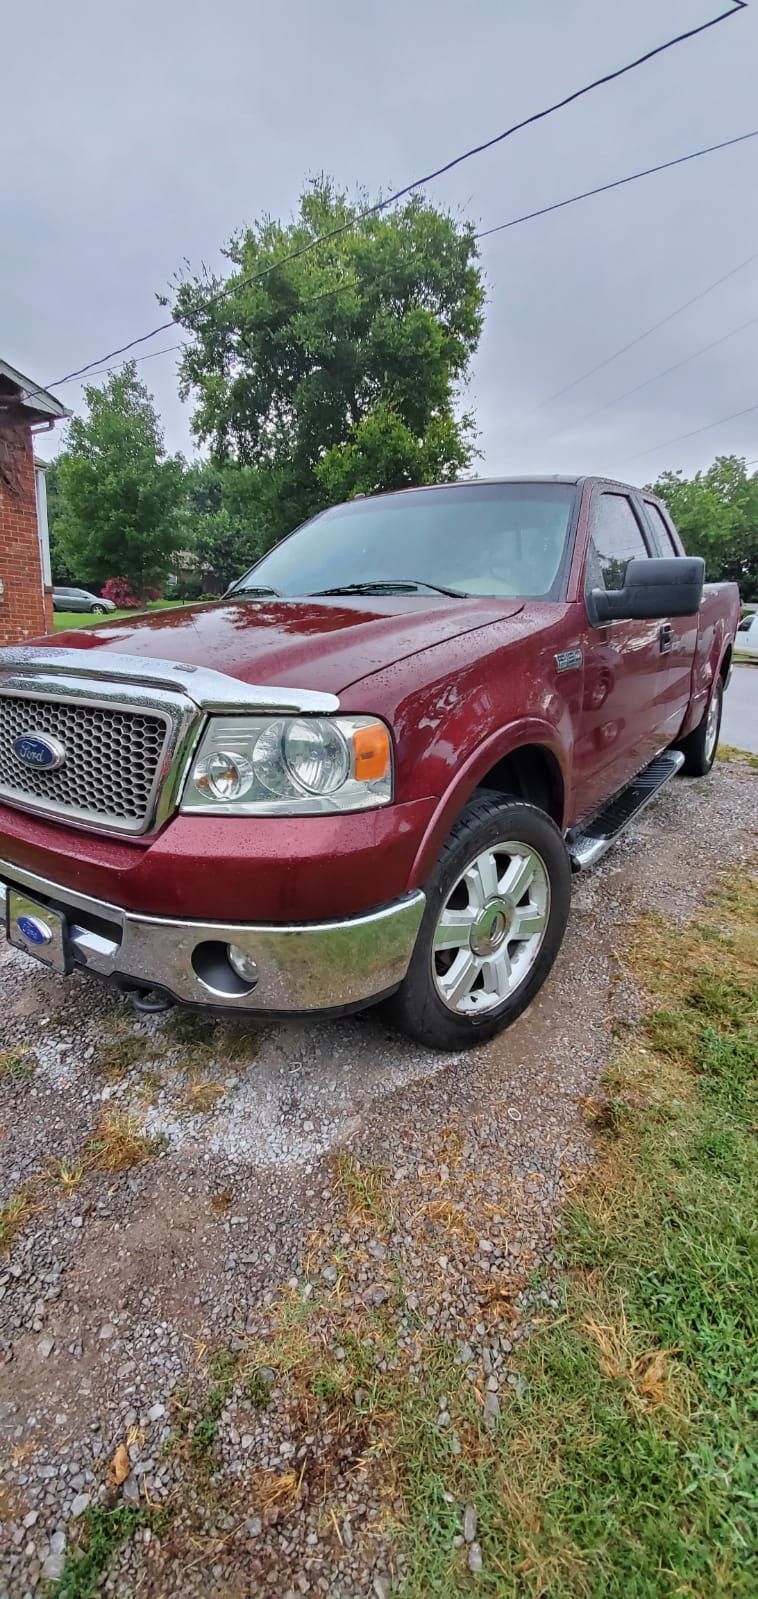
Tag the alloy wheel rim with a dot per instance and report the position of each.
(712, 726)
(491, 927)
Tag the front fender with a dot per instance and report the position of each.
(503, 741)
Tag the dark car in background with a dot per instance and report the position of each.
(81, 600)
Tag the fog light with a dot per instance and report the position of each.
(243, 964)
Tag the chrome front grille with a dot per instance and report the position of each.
(112, 767)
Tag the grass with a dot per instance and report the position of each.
(729, 752)
(101, 1531)
(14, 1215)
(119, 1143)
(622, 1465)
(196, 1422)
(257, 1390)
(627, 1468)
(118, 1052)
(66, 1175)
(66, 619)
(208, 1040)
(364, 1190)
(201, 1097)
(16, 1065)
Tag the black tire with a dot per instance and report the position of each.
(699, 747)
(98, 610)
(417, 1008)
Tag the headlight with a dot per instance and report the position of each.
(248, 765)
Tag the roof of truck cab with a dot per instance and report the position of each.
(572, 480)
(477, 482)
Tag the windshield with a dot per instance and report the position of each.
(479, 538)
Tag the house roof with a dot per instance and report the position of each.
(28, 395)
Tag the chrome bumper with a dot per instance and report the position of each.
(316, 966)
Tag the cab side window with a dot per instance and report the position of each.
(661, 530)
(615, 540)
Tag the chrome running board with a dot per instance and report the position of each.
(587, 846)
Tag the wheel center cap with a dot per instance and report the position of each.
(490, 928)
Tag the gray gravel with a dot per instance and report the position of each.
(117, 1290)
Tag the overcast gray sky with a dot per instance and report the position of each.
(146, 134)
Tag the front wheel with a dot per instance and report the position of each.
(496, 911)
(98, 610)
(699, 747)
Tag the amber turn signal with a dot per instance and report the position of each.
(371, 752)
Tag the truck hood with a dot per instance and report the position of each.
(324, 644)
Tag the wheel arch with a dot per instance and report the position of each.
(529, 765)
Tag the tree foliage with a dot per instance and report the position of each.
(716, 513)
(339, 372)
(61, 571)
(221, 519)
(118, 493)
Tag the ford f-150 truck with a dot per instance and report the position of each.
(369, 771)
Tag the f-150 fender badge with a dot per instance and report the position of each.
(566, 660)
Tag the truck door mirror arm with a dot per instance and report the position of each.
(666, 586)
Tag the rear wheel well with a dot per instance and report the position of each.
(726, 663)
(532, 773)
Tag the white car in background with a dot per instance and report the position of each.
(746, 640)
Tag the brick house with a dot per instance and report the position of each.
(26, 607)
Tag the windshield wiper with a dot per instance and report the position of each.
(381, 585)
(256, 589)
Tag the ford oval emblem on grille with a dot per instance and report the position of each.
(34, 930)
(39, 750)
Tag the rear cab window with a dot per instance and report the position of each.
(660, 529)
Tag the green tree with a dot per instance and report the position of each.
(120, 494)
(61, 571)
(341, 370)
(716, 513)
(221, 522)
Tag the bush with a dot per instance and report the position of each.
(120, 591)
(187, 588)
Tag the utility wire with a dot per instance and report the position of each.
(485, 234)
(102, 372)
(617, 184)
(382, 205)
(647, 381)
(646, 333)
(680, 437)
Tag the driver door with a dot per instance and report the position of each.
(623, 719)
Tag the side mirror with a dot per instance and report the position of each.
(670, 586)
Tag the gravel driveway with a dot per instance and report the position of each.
(182, 1195)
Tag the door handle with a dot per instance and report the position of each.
(666, 638)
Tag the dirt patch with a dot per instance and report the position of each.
(330, 1167)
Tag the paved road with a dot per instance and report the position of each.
(739, 725)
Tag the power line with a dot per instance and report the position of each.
(485, 234)
(103, 371)
(617, 184)
(100, 372)
(646, 333)
(654, 379)
(399, 194)
(693, 433)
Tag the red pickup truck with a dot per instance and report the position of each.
(369, 771)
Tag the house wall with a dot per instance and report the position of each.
(25, 606)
